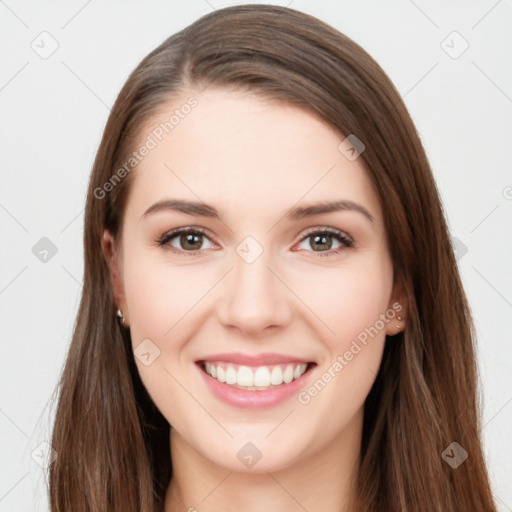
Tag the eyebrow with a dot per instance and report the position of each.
(300, 212)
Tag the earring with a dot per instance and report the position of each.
(121, 316)
(399, 318)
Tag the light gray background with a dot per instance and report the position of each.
(53, 112)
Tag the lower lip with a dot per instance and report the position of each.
(254, 399)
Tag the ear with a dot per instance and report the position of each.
(114, 263)
(400, 306)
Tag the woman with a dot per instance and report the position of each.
(272, 315)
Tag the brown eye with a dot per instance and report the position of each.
(185, 240)
(321, 241)
(191, 241)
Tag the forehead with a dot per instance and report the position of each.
(246, 154)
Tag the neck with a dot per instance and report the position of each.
(324, 481)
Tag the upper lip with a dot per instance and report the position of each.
(264, 359)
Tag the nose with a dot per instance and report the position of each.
(254, 299)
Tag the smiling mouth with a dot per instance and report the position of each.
(255, 378)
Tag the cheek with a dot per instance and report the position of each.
(163, 301)
(351, 301)
(348, 299)
(160, 298)
(354, 308)
(159, 295)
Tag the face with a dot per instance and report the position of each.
(261, 320)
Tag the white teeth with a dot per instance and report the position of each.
(230, 375)
(244, 376)
(288, 374)
(276, 377)
(260, 378)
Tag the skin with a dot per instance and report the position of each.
(254, 160)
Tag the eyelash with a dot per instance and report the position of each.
(345, 241)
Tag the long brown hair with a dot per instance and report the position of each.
(113, 443)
